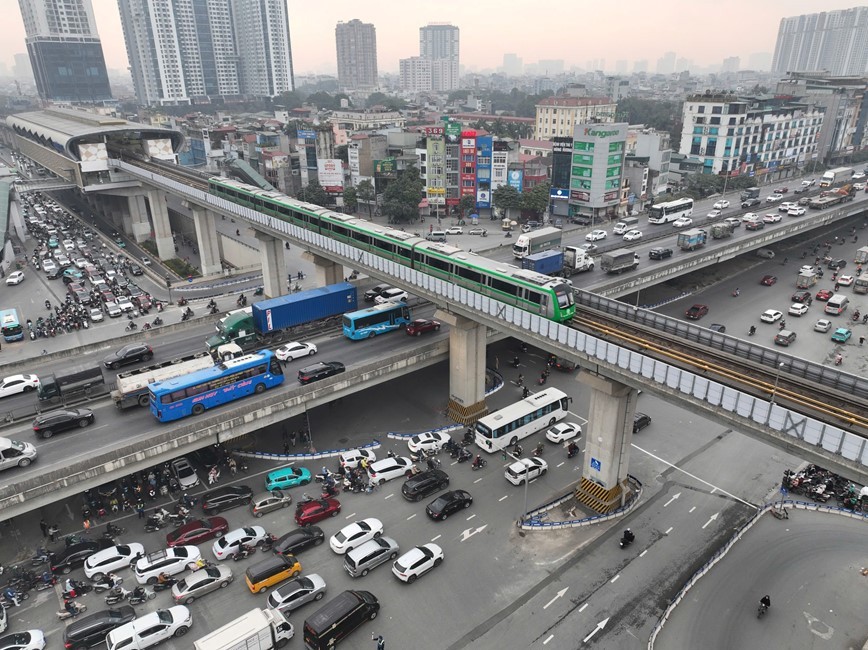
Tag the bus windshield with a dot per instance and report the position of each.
(375, 320)
(507, 426)
(229, 380)
(10, 326)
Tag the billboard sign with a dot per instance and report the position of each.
(306, 134)
(576, 195)
(562, 145)
(434, 130)
(557, 193)
(483, 198)
(385, 166)
(516, 178)
(331, 174)
(453, 132)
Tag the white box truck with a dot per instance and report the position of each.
(258, 629)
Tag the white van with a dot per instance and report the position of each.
(16, 454)
(436, 235)
(837, 304)
(625, 224)
(150, 629)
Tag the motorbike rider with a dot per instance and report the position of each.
(572, 449)
(752, 330)
(163, 578)
(477, 462)
(629, 536)
(11, 595)
(839, 358)
(539, 449)
(766, 602)
(69, 606)
(736, 293)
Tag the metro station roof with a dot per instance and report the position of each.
(64, 129)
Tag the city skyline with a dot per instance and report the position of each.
(648, 32)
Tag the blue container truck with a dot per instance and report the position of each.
(546, 262)
(272, 321)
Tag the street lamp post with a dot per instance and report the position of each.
(526, 481)
(777, 379)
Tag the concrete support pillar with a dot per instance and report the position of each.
(607, 443)
(140, 227)
(327, 272)
(206, 238)
(273, 264)
(162, 228)
(467, 340)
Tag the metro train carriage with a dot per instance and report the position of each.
(525, 289)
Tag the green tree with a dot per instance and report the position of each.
(351, 200)
(314, 193)
(661, 115)
(467, 204)
(341, 151)
(459, 94)
(401, 198)
(536, 200)
(389, 102)
(289, 100)
(506, 198)
(366, 193)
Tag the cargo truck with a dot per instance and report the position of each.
(83, 383)
(131, 388)
(271, 321)
(832, 197)
(576, 260)
(750, 193)
(690, 240)
(536, 241)
(258, 629)
(861, 255)
(619, 261)
(546, 262)
(721, 230)
(834, 176)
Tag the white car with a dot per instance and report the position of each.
(391, 295)
(632, 235)
(14, 384)
(857, 176)
(150, 629)
(750, 216)
(525, 469)
(417, 562)
(721, 204)
(797, 211)
(713, 214)
(355, 534)
(797, 309)
(185, 473)
(96, 314)
(124, 304)
(351, 459)
(596, 235)
(16, 277)
(429, 440)
(384, 470)
(786, 205)
(111, 559)
(771, 316)
(774, 198)
(68, 245)
(682, 222)
(171, 561)
(112, 309)
(732, 221)
(858, 186)
(228, 545)
(26, 640)
(845, 280)
(61, 259)
(589, 248)
(454, 230)
(295, 350)
(772, 218)
(48, 266)
(807, 268)
(292, 595)
(80, 263)
(564, 431)
(822, 325)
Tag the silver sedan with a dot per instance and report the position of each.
(201, 582)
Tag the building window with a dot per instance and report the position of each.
(583, 146)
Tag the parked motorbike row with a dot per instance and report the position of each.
(67, 317)
(823, 485)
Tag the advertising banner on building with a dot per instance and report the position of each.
(331, 175)
(385, 166)
(516, 178)
(483, 198)
(94, 157)
(559, 194)
(453, 132)
(576, 195)
(161, 149)
(562, 145)
(434, 130)
(306, 134)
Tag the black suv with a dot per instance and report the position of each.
(803, 297)
(47, 424)
(420, 486)
(75, 555)
(372, 293)
(640, 421)
(90, 631)
(129, 354)
(320, 371)
(225, 498)
(749, 203)
(659, 253)
(298, 540)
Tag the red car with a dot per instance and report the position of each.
(824, 294)
(198, 530)
(696, 312)
(782, 190)
(422, 325)
(310, 512)
(768, 280)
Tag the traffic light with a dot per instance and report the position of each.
(168, 282)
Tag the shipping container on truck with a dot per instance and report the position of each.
(618, 261)
(546, 262)
(536, 241)
(271, 320)
(861, 255)
(834, 176)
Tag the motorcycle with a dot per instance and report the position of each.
(140, 595)
(74, 589)
(182, 302)
(856, 316)
(259, 291)
(131, 327)
(244, 552)
(77, 608)
(626, 539)
(326, 475)
(268, 543)
(211, 304)
(752, 330)
(213, 310)
(42, 556)
(112, 531)
(157, 321)
(106, 583)
(422, 454)
(839, 359)
(538, 450)
(479, 463)
(464, 455)
(736, 293)
(117, 595)
(572, 450)
(162, 586)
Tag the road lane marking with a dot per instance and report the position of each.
(691, 510)
(389, 496)
(411, 516)
(669, 530)
(504, 497)
(615, 579)
(350, 516)
(582, 608)
(642, 554)
(470, 517)
(550, 637)
(436, 538)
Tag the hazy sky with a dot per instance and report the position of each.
(703, 31)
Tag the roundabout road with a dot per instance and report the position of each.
(810, 565)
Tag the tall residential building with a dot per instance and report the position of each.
(439, 43)
(180, 51)
(264, 48)
(832, 41)
(512, 65)
(65, 51)
(558, 116)
(357, 55)
(666, 63)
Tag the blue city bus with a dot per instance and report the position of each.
(10, 325)
(379, 319)
(226, 381)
